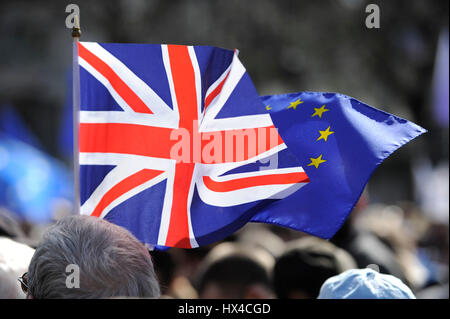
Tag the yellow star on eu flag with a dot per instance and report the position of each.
(316, 161)
(293, 105)
(268, 108)
(319, 111)
(324, 134)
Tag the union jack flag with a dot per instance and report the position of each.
(137, 103)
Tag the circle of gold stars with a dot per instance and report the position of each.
(323, 134)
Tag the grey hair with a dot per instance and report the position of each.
(111, 261)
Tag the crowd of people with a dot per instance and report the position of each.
(380, 252)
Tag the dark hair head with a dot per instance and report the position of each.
(305, 265)
(232, 272)
(111, 262)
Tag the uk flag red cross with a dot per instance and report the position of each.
(174, 132)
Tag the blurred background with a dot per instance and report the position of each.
(400, 225)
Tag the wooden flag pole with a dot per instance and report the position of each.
(76, 33)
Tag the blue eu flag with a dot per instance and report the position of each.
(339, 141)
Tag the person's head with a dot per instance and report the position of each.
(109, 260)
(306, 263)
(236, 272)
(258, 235)
(164, 265)
(364, 284)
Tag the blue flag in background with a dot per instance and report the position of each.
(339, 141)
(31, 181)
(12, 125)
(440, 96)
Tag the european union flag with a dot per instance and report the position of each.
(339, 141)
